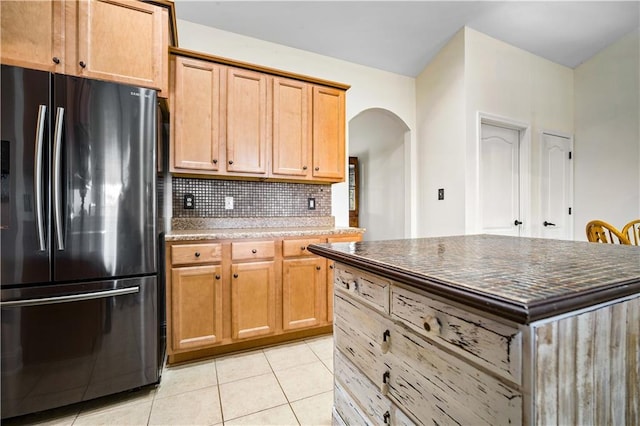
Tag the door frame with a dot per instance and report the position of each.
(524, 162)
(569, 136)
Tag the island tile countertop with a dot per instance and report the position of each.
(520, 279)
(275, 232)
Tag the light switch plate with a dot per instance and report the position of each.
(311, 203)
(228, 203)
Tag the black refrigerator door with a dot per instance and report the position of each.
(103, 179)
(24, 182)
(68, 343)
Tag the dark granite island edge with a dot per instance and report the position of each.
(555, 292)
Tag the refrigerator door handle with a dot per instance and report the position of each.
(57, 148)
(37, 175)
(70, 298)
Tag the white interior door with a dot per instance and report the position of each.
(500, 180)
(555, 187)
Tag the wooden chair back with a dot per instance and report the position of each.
(632, 232)
(599, 231)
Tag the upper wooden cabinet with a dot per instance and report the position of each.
(195, 88)
(114, 40)
(328, 134)
(246, 118)
(292, 148)
(32, 34)
(271, 126)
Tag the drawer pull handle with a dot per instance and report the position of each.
(254, 251)
(385, 417)
(197, 254)
(432, 324)
(235, 275)
(303, 248)
(384, 346)
(384, 387)
(217, 277)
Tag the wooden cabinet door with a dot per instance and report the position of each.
(195, 95)
(32, 34)
(253, 299)
(196, 306)
(291, 144)
(246, 111)
(303, 292)
(119, 40)
(328, 134)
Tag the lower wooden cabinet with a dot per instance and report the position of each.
(229, 295)
(196, 308)
(253, 299)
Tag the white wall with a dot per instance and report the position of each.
(505, 81)
(441, 142)
(370, 88)
(607, 135)
(377, 139)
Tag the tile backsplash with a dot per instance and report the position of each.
(250, 198)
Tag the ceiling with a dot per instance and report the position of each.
(403, 36)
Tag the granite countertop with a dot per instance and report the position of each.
(271, 232)
(521, 279)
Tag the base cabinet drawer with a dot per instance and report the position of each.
(370, 289)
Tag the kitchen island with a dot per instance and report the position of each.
(486, 330)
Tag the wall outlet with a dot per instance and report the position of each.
(311, 203)
(441, 194)
(228, 203)
(189, 202)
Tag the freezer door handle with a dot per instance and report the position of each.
(57, 149)
(70, 298)
(37, 176)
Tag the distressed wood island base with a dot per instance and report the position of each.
(485, 329)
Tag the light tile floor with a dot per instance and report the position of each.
(290, 384)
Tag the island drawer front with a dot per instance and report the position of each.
(372, 290)
(369, 402)
(437, 387)
(249, 250)
(493, 345)
(358, 334)
(191, 254)
(293, 248)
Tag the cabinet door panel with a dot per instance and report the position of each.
(291, 128)
(32, 34)
(328, 134)
(253, 297)
(196, 306)
(120, 41)
(246, 121)
(303, 292)
(196, 128)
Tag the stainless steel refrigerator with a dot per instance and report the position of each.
(79, 290)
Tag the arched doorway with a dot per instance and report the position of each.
(378, 138)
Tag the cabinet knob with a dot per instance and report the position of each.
(303, 248)
(235, 275)
(214, 161)
(331, 266)
(304, 167)
(217, 277)
(254, 251)
(432, 324)
(230, 161)
(56, 60)
(384, 387)
(82, 64)
(197, 254)
(384, 346)
(317, 169)
(318, 268)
